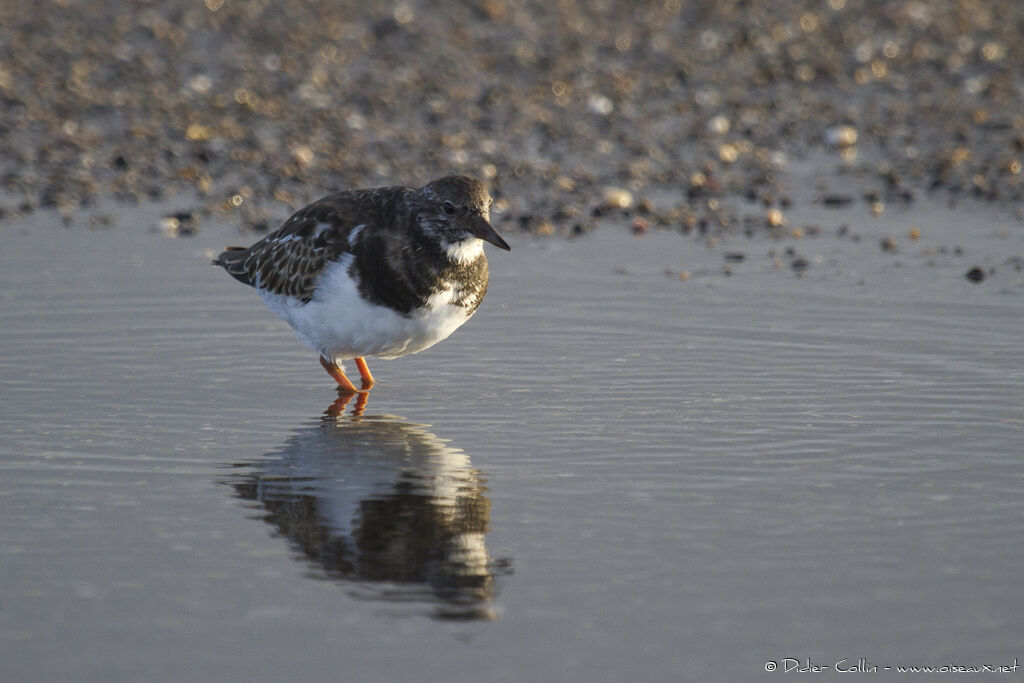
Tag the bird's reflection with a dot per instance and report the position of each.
(384, 506)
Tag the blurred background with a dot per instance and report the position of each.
(698, 114)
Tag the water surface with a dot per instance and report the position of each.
(609, 474)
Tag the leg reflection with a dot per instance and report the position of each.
(337, 409)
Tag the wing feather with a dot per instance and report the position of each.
(289, 260)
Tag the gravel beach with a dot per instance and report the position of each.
(686, 114)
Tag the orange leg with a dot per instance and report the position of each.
(364, 372)
(345, 385)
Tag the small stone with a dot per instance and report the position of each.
(169, 225)
(617, 198)
(889, 244)
(284, 196)
(566, 212)
(303, 154)
(735, 257)
(600, 104)
(719, 125)
(179, 224)
(565, 183)
(198, 132)
(774, 218)
(836, 201)
(975, 274)
(841, 136)
(100, 220)
(915, 233)
(200, 83)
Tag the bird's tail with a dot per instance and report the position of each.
(232, 259)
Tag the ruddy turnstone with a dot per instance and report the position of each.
(380, 272)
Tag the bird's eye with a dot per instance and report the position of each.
(449, 208)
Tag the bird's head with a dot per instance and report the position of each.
(456, 208)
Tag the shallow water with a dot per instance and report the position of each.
(608, 474)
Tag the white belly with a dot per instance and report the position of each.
(339, 324)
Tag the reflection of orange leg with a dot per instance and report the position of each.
(337, 409)
(364, 372)
(361, 398)
(345, 385)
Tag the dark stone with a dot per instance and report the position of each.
(836, 201)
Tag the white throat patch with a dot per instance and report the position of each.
(466, 251)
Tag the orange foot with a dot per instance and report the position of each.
(345, 385)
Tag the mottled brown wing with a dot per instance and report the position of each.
(289, 260)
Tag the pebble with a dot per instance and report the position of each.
(180, 224)
(719, 125)
(617, 198)
(836, 201)
(975, 274)
(841, 136)
(774, 218)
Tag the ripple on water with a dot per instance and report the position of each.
(676, 464)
